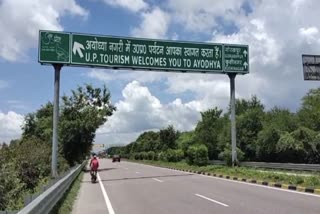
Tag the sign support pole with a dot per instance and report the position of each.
(232, 77)
(57, 69)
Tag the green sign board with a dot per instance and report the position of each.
(236, 58)
(149, 54)
(54, 47)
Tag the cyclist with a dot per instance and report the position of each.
(94, 165)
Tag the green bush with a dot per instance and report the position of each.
(137, 156)
(144, 155)
(197, 155)
(156, 157)
(151, 155)
(12, 188)
(162, 156)
(179, 154)
(227, 158)
(171, 156)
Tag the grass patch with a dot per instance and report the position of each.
(65, 205)
(312, 181)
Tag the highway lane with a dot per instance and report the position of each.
(142, 189)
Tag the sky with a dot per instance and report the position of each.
(277, 32)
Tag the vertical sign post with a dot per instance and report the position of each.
(57, 69)
(236, 60)
(233, 118)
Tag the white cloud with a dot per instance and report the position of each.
(20, 22)
(10, 126)
(154, 24)
(201, 16)
(311, 34)
(131, 5)
(126, 76)
(140, 111)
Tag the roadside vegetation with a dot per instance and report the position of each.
(274, 135)
(25, 163)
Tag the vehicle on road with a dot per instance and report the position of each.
(116, 158)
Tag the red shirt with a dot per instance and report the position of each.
(94, 164)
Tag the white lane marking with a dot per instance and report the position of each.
(138, 172)
(106, 198)
(239, 182)
(214, 201)
(126, 168)
(157, 180)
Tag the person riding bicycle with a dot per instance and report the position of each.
(94, 165)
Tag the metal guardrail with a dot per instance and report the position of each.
(285, 166)
(45, 202)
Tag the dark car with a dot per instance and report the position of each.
(116, 158)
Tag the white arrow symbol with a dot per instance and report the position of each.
(77, 48)
(245, 53)
(245, 64)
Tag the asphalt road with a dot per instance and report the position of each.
(127, 187)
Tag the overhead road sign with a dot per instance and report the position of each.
(148, 54)
(311, 67)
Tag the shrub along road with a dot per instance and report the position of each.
(140, 189)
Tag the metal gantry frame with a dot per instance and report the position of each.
(55, 48)
(57, 71)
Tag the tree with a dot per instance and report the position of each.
(276, 121)
(168, 137)
(282, 119)
(198, 155)
(208, 129)
(185, 140)
(313, 152)
(249, 124)
(309, 114)
(243, 105)
(307, 138)
(224, 136)
(250, 114)
(82, 114)
(289, 149)
(149, 141)
(266, 144)
(39, 124)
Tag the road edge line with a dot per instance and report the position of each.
(105, 196)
